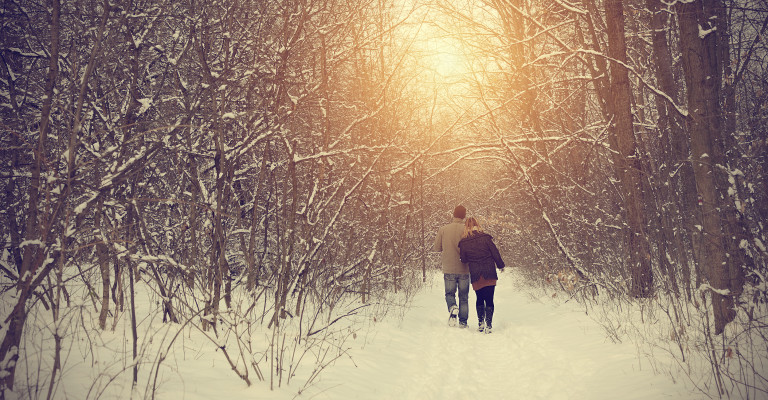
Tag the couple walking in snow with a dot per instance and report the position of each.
(468, 253)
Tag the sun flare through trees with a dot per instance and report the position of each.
(257, 171)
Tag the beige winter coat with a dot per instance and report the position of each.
(447, 243)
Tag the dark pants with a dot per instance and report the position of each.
(484, 306)
(485, 296)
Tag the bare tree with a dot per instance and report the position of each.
(627, 160)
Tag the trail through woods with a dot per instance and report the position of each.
(538, 350)
(252, 171)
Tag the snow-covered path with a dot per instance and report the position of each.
(537, 351)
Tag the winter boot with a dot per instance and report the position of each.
(480, 318)
(488, 319)
(453, 313)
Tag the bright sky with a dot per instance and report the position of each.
(437, 51)
(446, 59)
(445, 55)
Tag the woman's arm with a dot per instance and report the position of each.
(495, 254)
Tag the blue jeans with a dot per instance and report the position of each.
(460, 282)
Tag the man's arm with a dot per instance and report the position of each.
(438, 241)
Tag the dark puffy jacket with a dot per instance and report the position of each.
(479, 252)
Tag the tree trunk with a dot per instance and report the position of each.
(627, 161)
(734, 228)
(700, 65)
(250, 251)
(9, 348)
(670, 129)
(102, 255)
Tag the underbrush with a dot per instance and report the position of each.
(673, 335)
(248, 345)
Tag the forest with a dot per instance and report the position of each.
(277, 166)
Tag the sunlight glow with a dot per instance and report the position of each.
(440, 60)
(444, 57)
(445, 61)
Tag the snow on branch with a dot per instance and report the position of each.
(342, 203)
(703, 33)
(327, 154)
(570, 7)
(575, 264)
(655, 90)
(706, 286)
(159, 259)
(119, 175)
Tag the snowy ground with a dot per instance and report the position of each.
(537, 351)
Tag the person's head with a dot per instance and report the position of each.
(459, 212)
(471, 226)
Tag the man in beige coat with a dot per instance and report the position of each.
(455, 273)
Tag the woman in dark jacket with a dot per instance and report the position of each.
(476, 248)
